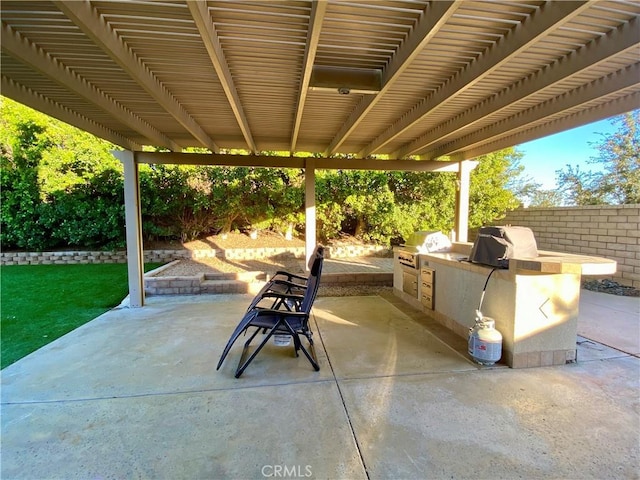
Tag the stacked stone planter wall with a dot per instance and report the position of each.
(164, 256)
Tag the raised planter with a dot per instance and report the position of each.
(238, 282)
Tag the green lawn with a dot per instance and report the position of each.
(40, 303)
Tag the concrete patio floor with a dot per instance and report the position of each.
(135, 394)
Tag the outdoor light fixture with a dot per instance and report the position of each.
(345, 80)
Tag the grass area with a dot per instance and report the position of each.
(40, 303)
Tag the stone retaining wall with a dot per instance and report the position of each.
(601, 230)
(60, 258)
(164, 256)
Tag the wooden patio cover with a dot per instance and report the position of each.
(412, 82)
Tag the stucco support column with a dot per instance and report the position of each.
(133, 220)
(310, 208)
(463, 183)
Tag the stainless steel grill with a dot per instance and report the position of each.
(408, 253)
(408, 260)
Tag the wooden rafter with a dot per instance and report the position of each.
(548, 16)
(85, 17)
(318, 9)
(207, 30)
(439, 73)
(618, 41)
(602, 87)
(578, 119)
(27, 96)
(28, 53)
(432, 19)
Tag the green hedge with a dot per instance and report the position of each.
(60, 187)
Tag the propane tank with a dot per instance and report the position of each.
(485, 342)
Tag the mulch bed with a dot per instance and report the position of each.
(611, 287)
(265, 239)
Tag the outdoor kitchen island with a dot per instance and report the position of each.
(534, 302)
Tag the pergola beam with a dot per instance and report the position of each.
(602, 87)
(230, 160)
(20, 48)
(206, 28)
(433, 18)
(539, 24)
(318, 10)
(85, 17)
(624, 39)
(43, 104)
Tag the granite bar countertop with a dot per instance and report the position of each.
(546, 262)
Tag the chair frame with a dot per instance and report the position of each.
(277, 321)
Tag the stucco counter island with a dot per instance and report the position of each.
(534, 302)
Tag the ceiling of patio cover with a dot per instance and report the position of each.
(407, 78)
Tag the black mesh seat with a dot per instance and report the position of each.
(292, 319)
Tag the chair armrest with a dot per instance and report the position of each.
(280, 313)
(288, 283)
(283, 296)
(289, 275)
(278, 297)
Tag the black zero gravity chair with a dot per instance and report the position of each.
(284, 321)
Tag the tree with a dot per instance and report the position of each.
(175, 202)
(620, 156)
(618, 182)
(489, 197)
(424, 201)
(20, 203)
(545, 198)
(577, 187)
(257, 198)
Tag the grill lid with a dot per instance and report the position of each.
(428, 241)
(418, 238)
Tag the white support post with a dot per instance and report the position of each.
(310, 208)
(133, 220)
(462, 200)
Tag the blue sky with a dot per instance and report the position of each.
(544, 156)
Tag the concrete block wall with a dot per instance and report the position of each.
(603, 231)
(61, 258)
(165, 256)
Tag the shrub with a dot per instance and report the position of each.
(90, 214)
